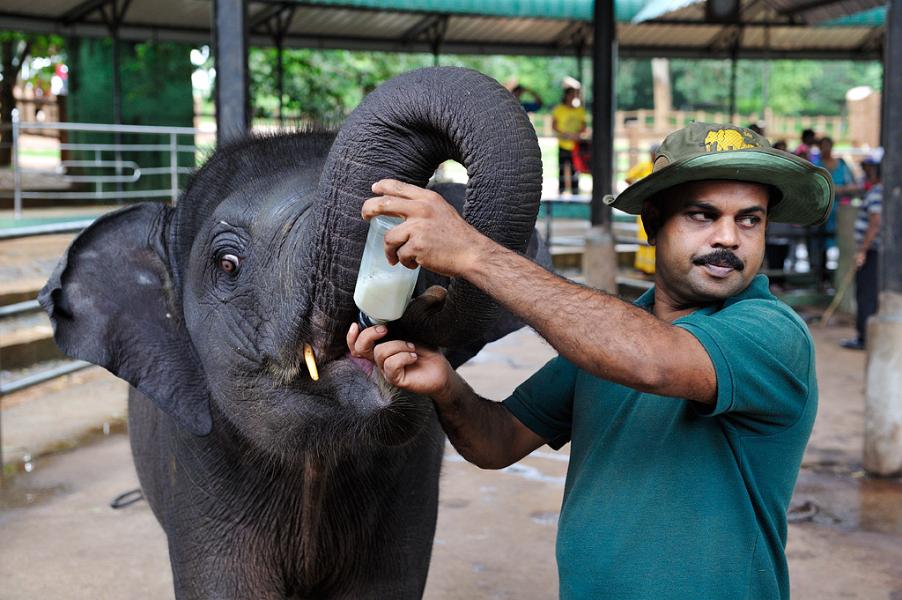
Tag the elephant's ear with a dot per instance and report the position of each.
(110, 303)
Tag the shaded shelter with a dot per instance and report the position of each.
(674, 28)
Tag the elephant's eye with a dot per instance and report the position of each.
(229, 263)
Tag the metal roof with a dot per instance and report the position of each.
(625, 10)
(811, 12)
(766, 29)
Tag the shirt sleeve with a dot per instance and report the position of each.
(763, 359)
(544, 402)
(874, 202)
(848, 176)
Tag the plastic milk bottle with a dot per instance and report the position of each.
(383, 291)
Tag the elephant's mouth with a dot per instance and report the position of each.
(313, 369)
(365, 407)
(363, 364)
(354, 383)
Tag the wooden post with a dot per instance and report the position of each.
(660, 74)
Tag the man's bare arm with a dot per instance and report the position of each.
(598, 332)
(483, 432)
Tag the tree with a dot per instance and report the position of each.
(15, 50)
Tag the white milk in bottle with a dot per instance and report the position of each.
(383, 290)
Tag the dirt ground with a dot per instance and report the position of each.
(496, 530)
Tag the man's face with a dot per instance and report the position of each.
(711, 242)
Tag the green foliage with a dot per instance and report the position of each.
(326, 85)
(48, 49)
(38, 46)
(541, 74)
(320, 85)
(634, 85)
(803, 87)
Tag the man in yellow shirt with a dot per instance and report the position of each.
(645, 255)
(568, 122)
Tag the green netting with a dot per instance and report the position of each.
(156, 90)
(577, 10)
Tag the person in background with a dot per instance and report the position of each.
(867, 243)
(645, 255)
(824, 236)
(569, 123)
(779, 243)
(776, 251)
(521, 93)
(808, 148)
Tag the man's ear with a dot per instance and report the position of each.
(651, 219)
(110, 303)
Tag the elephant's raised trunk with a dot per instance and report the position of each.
(404, 130)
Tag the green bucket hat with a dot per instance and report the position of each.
(705, 151)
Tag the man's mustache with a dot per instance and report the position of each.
(720, 258)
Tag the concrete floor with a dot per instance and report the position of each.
(495, 536)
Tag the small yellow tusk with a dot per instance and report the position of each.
(310, 359)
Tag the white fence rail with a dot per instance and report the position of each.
(106, 170)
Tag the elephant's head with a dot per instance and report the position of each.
(206, 308)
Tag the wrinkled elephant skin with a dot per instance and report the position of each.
(270, 483)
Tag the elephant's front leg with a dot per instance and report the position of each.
(231, 571)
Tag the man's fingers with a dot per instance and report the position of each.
(395, 239)
(408, 257)
(391, 205)
(351, 337)
(366, 340)
(393, 187)
(388, 349)
(393, 366)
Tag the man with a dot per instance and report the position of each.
(568, 120)
(645, 254)
(867, 242)
(808, 148)
(520, 92)
(687, 412)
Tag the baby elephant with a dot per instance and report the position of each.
(276, 475)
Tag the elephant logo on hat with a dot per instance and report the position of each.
(727, 139)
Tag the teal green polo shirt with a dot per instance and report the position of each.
(669, 499)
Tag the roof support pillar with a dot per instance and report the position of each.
(883, 394)
(113, 22)
(117, 79)
(437, 37)
(230, 49)
(599, 257)
(276, 21)
(604, 64)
